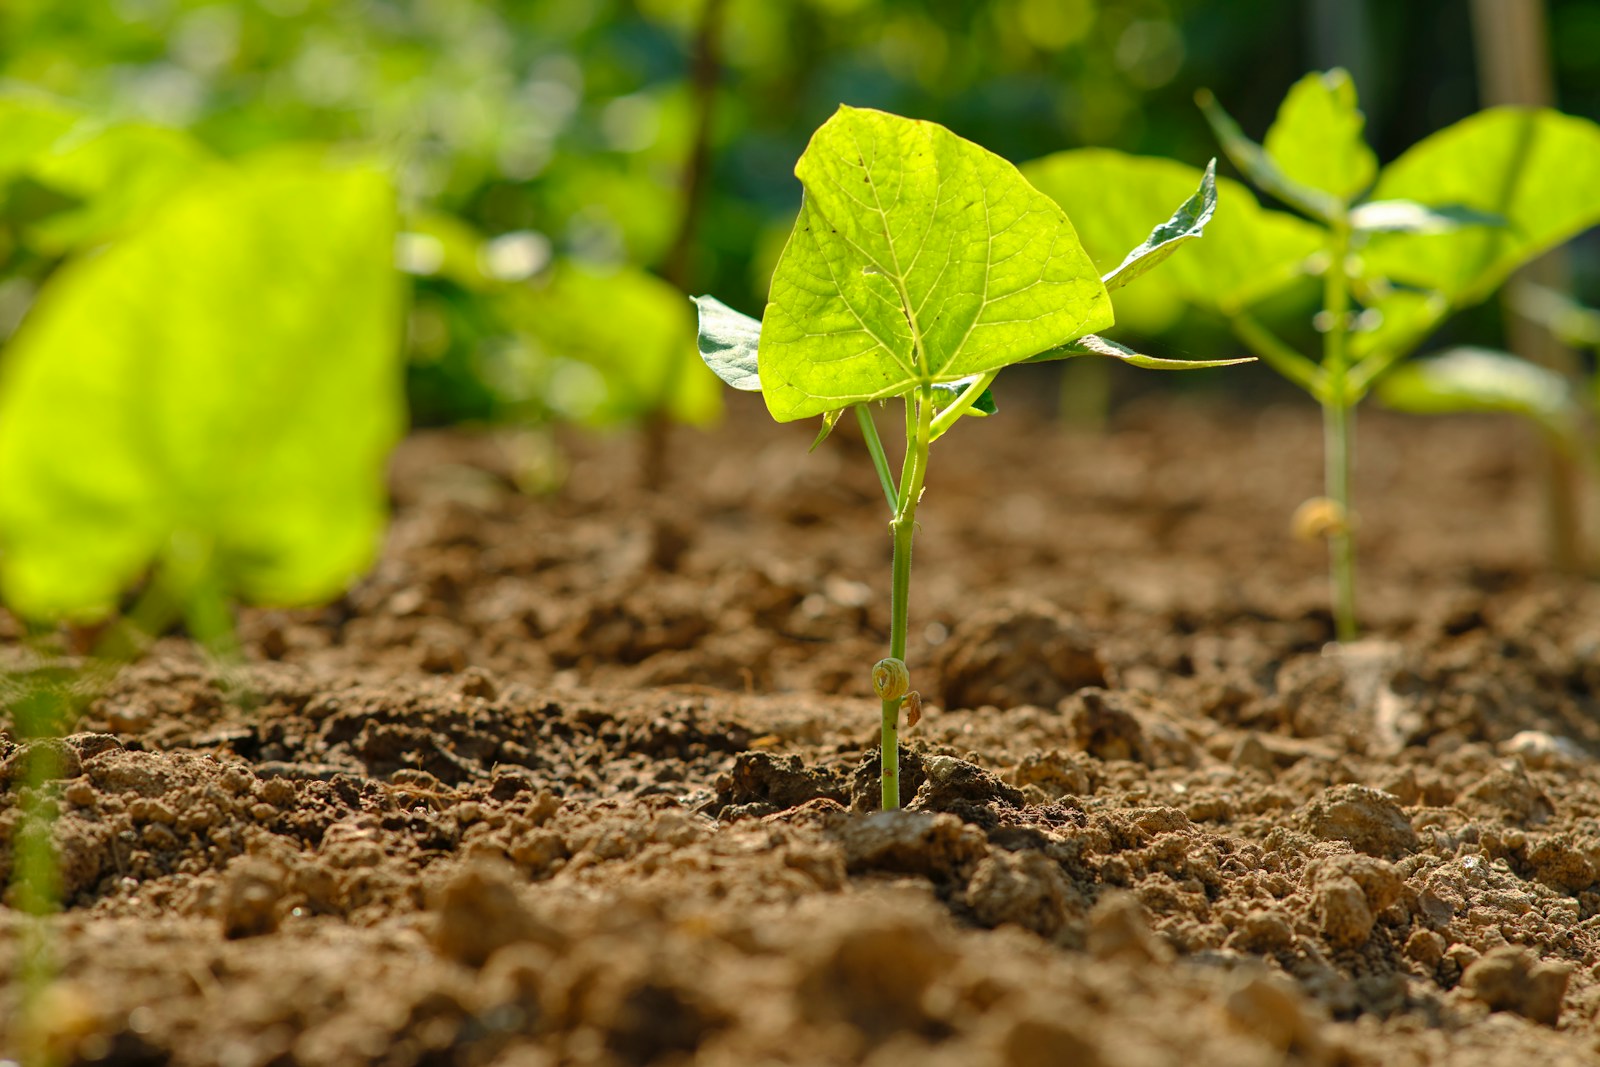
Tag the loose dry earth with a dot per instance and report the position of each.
(588, 779)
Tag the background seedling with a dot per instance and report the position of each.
(1397, 250)
(921, 266)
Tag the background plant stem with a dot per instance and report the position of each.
(1338, 415)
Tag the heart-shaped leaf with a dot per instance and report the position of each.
(918, 257)
(1316, 140)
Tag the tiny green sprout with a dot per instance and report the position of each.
(921, 265)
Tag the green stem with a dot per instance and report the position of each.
(903, 527)
(880, 462)
(1338, 415)
(1277, 354)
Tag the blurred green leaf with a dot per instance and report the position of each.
(1317, 139)
(1113, 199)
(1538, 169)
(1557, 312)
(1262, 169)
(614, 347)
(1393, 324)
(435, 244)
(1187, 223)
(214, 395)
(1481, 379)
(30, 123)
(121, 173)
(1408, 216)
(918, 257)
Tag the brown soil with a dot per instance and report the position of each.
(588, 779)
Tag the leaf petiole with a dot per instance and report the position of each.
(963, 404)
(880, 462)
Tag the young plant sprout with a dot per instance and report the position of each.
(1396, 249)
(921, 265)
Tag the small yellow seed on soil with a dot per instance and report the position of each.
(890, 679)
(1319, 518)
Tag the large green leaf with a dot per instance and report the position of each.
(611, 346)
(918, 257)
(1248, 253)
(1317, 139)
(218, 391)
(1537, 169)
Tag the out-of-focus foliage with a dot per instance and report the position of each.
(571, 122)
(1114, 199)
(213, 396)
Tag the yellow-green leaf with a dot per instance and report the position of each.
(918, 257)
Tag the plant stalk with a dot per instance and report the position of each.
(1338, 416)
(919, 432)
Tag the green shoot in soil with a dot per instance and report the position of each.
(921, 265)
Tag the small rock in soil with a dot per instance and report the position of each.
(46, 760)
(250, 898)
(1510, 978)
(1028, 889)
(1273, 1009)
(963, 789)
(1055, 774)
(1566, 862)
(775, 783)
(1045, 1043)
(479, 912)
(875, 975)
(1370, 820)
(1118, 929)
(1508, 794)
(1343, 912)
(1266, 931)
(1101, 724)
(1015, 655)
(938, 846)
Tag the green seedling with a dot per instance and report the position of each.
(1396, 249)
(922, 265)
